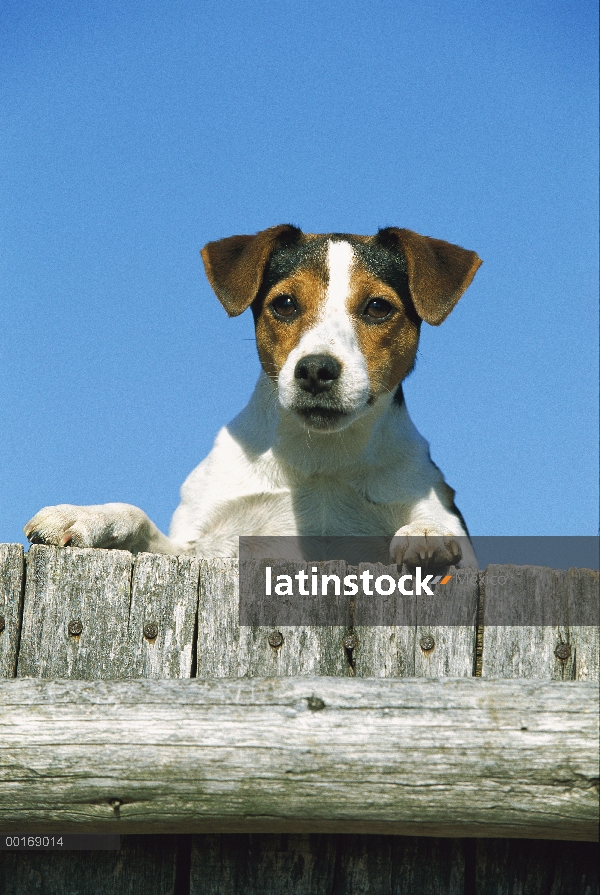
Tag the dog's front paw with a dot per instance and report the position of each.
(425, 544)
(108, 525)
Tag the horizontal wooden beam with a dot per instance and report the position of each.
(432, 757)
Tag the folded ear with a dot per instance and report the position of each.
(235, 266)
(438, 272)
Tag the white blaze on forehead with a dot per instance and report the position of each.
(339, 262)
(333, 334)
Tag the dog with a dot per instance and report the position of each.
(325, 445)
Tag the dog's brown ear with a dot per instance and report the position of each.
(235, 266)
(438, 272)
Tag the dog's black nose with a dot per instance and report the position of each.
(316, 373)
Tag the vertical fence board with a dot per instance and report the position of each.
(527, 651)
(453, 651)
(386, 650)
(582, 588)
(164, 596)
(405, 651)
(400, 865)
(227, 650)
(506, 866)
(510, 866)
(145, 865)
(576, 869)
(262, 865)
(88, 586)
(585, 644)
(324, 864)
(12, 569)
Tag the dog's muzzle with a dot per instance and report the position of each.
(317, 399)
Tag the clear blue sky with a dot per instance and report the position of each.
(133, 133)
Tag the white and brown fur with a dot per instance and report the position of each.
(325, 445)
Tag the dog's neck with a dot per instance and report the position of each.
(264, 428)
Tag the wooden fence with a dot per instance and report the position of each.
(415, 760)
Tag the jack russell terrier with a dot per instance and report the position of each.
(325, 446)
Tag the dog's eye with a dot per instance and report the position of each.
(378, 309)
(284, 306)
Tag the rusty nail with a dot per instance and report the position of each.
(315, 704)
(350, 641)
(2, 623)
(275, 639)
(151, 631)
(427, 642)
(75, 627)
(562, 651)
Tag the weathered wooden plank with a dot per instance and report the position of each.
(134, 620)
(584, 641)
(576, 869)
(227, 650)
(547, 650)
(583, 589)
(443, 650)
(447, 758)
(505, 866)
(162, 617)
(385, 651)
(144, 864)
(76, 614)
(12, 570)
(284, 864)
(508, 866)
(426, 646)
(288, 864)
(399, 865)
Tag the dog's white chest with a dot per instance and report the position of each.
(328, 506)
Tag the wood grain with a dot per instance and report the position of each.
(144, 865)
(530, 651)
(12, 571)
(292, 864)
(226, 649)
(445, 758)
(506, 770)
(164, 596)
(70, 586)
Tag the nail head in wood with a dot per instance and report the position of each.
(350, 641)
(427, 643)
(75, 627)
(562, 651)
(275, 639)
(151, 631)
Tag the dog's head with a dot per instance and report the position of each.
(337, 316)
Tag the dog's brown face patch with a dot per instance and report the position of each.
(387, 331)
(289, 309)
